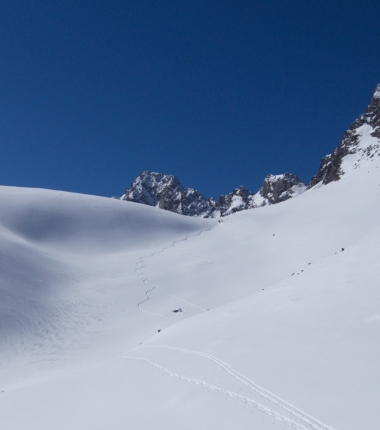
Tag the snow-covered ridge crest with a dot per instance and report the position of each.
(166, 192)
(361, 141)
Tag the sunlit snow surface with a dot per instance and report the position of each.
(280, 326)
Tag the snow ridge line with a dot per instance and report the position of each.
(306, 418)
(141, 261)
(204, 384)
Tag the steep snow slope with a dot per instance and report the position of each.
(279, 326)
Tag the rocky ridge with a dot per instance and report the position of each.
(166, 192)
(361, 140)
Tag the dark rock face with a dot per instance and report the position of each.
(166, 192)
(331, 165)
(278, 188)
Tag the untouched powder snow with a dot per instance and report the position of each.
(278, 328)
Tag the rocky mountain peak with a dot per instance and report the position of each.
(362, 137)
(166, 192)
(148, 187)
(278, 188)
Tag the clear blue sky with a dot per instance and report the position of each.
(219, 93)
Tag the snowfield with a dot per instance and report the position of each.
(279, 320)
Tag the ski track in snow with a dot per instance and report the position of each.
(297, 420)
(154, 287)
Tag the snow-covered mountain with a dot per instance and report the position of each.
(116, 315)
(166, 192)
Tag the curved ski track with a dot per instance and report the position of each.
(145, 281)
(297, 419)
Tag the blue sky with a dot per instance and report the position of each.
(219, 93)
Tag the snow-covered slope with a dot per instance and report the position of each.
(117, 315)
(272, 309)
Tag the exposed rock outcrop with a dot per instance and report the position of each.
(278, 188)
